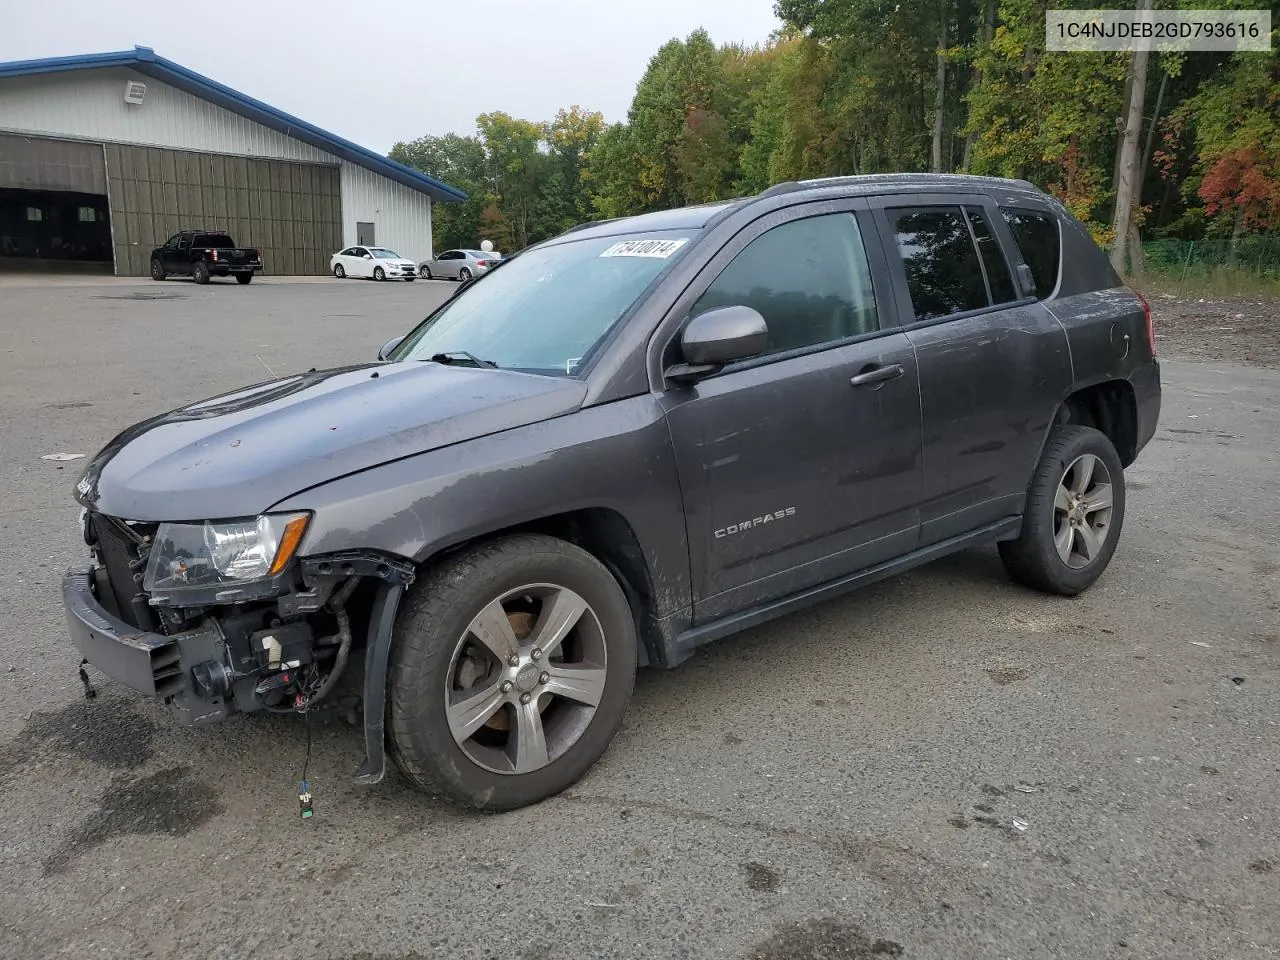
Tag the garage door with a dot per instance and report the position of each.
(53, 204)
(35, 163)
(292, 212)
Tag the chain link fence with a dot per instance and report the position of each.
(1189, 265)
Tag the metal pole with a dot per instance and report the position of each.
(1185, 266)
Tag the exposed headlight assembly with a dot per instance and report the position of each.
(211, 554)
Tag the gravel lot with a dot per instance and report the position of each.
(941, 766)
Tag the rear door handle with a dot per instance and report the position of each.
(891, 371)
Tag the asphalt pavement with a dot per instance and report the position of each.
(943, 765)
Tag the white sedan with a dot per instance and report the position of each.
(376, 262)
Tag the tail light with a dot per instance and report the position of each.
(1151, 327)
(482, 263)
(215, 253)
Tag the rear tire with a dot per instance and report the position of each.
(464, 275)
(200, 273)
(339, 272)
(157, 270)
(243, 278)
(1074, 514)
(379, 273)
(440, 654)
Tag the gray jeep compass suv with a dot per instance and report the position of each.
(615, 447)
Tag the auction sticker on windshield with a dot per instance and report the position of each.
(645, 248)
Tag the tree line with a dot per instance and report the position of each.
(871, 86)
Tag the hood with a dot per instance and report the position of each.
(237, 454)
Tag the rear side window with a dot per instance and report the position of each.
(214, 240)
(808, 278)
(1037, 237)
(944, 275)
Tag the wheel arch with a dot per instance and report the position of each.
(609, 537)
(1109, 406)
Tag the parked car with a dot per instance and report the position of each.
(458, 265)
(377, 263)
(201, 254)
(632, 440)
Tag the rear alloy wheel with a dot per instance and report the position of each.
(339, 272)
(464, 275)
(200, 273)
(1074, 514)
(512, 667)
(379, 273)
(157, 270)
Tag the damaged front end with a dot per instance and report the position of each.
(223, 617)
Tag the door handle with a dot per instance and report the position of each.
(890, 371)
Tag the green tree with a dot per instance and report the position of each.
(459, 162)
(516, 165)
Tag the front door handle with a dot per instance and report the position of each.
(891, 371)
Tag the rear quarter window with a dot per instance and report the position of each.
(1037, 237)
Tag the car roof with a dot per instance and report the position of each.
(700, 216)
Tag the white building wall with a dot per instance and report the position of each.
(90, 105)
(401, 216)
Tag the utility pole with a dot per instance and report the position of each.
(1130, 165)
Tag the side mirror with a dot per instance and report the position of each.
(388, 347)
(720, 336)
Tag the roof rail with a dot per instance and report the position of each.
(787, 186)
(791, 186)
(590, 223)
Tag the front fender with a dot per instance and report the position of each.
(615, 456)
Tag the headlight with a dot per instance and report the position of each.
(208, 554)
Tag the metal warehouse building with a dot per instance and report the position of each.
(103, 157)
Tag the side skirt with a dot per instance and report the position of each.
(682, 646)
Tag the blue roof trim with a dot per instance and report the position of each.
(147, 62)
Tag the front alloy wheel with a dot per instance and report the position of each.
(517, 694)
(511, 670)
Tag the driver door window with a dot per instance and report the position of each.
(809, 279)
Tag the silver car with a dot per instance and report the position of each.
(458, 265)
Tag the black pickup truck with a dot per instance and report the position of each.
(628, 441)
(201, 254)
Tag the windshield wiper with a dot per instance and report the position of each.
(453, 355)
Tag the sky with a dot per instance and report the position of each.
(379, 72)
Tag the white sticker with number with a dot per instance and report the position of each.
(645, 248)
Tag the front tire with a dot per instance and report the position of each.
(1074, 514)
(157, 270)
(511, 671)
(425, 272)
(339, 272)
(379, 273)
(243, 278)
(200, 273)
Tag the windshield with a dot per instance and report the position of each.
(546, 309)
(382, 253)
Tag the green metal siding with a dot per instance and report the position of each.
(290, 211)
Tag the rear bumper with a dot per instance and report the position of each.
(233, 268)
(1147, 392)
(146, 662)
